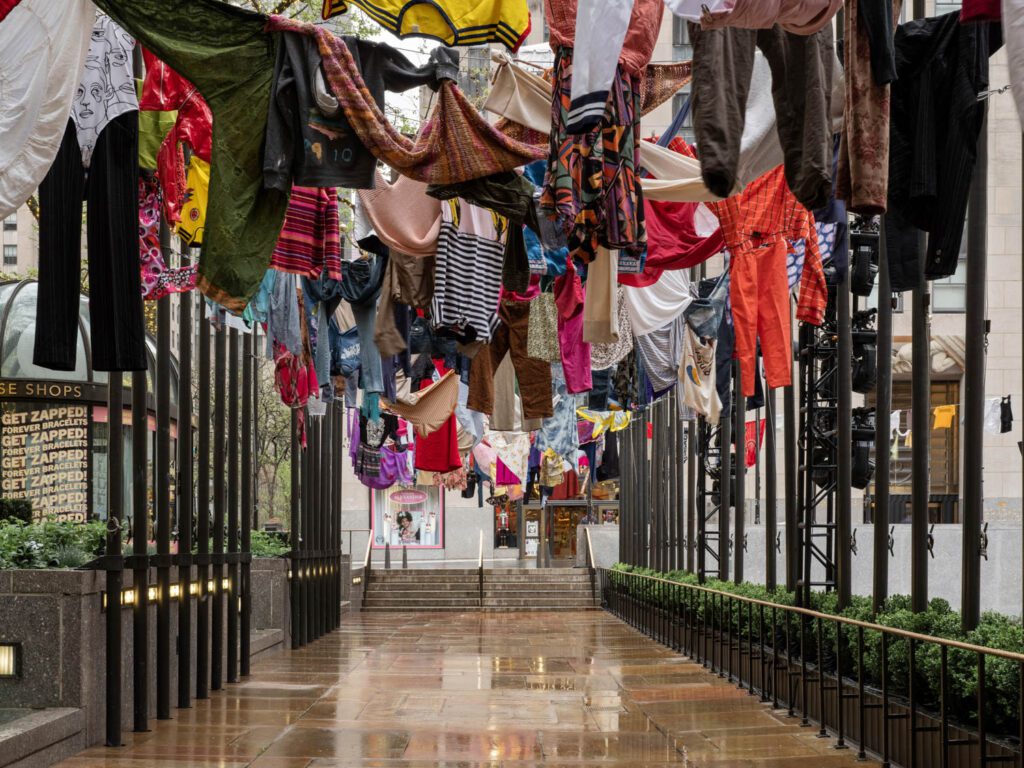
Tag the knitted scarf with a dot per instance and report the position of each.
(455, 144)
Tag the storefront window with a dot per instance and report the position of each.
(407, 517)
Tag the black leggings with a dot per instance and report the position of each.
(111, 189)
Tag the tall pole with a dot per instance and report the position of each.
(844, 437)
(203, 511)
(232, 446)
(725, 492)
(883, 407)
(219, 500)
(295, 535)
(162, 475)
(974, 385)
(789, 479)
(140, 556)
(115, 564)
(184, 498)
(771, 494)
(740, 414)
(921, 422)
(691, 493)
(245, 585)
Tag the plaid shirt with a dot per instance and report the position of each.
(767, 210)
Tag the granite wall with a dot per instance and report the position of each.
(58, 618)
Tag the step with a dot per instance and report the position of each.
(526, 601)
(419, 599)
(448, 589)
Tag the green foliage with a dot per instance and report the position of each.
(16, 509)
(268, 544)
(49, 544)
(1002, 676)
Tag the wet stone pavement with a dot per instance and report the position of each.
(408, 690)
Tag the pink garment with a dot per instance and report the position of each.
(504, 475)
(158, 280)
(801, 17)
(569, 297)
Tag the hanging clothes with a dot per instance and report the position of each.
(599, 306)
(401, 215)
(158, 280)
(574, 352)
(1005, 415)
(512, 449)
(944, 415)
(942, 66)
(869, 56)
(438, 451)
(656, 305)
(430, 406)
(753, 438)
(310, 240)
(799, 17)
(43, 46)
(197, 196)
(802, 73)
(455, 144)
(992, 415)
(309, 139)
(455, 22)
(660, 352)
(592, 185)
(111, 190)
(525, 97)
(758, 225)
(360, 287)
(467, 280)
(6, 6)
(558, 432)
(534, 374)
(697, 375)
(223, 51)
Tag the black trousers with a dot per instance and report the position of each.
(110, 187)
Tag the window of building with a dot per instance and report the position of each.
(10, 255)
(682, 49)
(944, 445)
(950, 293)
(11, 222)
(947, 6)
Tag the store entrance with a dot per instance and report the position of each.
(564, 518)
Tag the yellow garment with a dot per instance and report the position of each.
(944, 416)
(552, 469)
(612, 421)
(197, 195)
(453, 22)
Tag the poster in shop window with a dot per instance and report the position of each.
(410, 517)
(44, 457)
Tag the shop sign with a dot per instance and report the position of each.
(51, 390)
(408, 497)
(44, 457)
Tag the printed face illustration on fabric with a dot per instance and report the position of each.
(107, 88)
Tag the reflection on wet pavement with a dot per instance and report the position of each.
(408, 690)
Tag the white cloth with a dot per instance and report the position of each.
(107, 87)
(697, 376)
(1013, 37)
(43, 45)
(894, 423)
(657, 305)
(993, 424)
(600, 29)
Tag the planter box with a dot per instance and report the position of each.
(57, 617)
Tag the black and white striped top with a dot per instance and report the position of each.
(467, 281)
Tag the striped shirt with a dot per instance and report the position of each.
(467, 281)
(310, 240)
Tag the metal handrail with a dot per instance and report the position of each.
(810, 613)
(350, 531)
(369, 549)
(591, 563)
(480, 558)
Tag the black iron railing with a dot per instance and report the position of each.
(861, 683)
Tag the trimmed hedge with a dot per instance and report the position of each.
(995, 630)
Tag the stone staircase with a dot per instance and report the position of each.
(458, 589)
